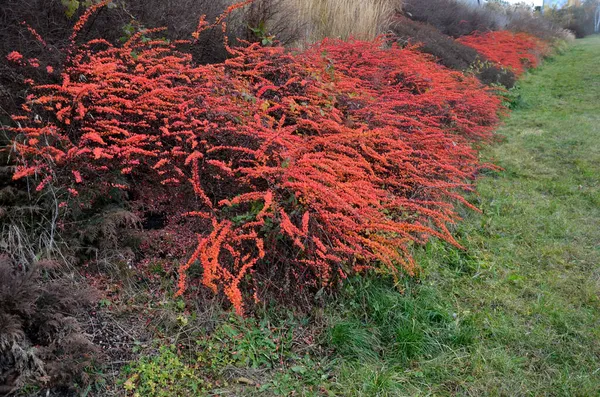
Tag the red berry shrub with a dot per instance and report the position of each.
(515, 51)
(449, 52)
(289, 168)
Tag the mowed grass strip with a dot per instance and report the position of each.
(518, 313)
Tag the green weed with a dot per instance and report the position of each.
(164, 375)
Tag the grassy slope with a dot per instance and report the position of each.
(519, 313)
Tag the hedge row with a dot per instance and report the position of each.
(273, 168)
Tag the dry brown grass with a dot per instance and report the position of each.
(362, 19)
(313, 20)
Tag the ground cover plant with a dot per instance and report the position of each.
(449, 52)
(515, 51)
(304, 168)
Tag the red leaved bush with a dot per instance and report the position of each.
(514, 51)
(298, 168)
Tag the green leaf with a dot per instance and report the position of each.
(72, 7)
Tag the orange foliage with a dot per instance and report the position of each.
(304, 167)
(515, 51)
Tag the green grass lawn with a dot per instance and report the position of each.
(517, 313)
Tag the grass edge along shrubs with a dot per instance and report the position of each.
(273, 167)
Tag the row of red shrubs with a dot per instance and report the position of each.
(514, 51)
(275, 168)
